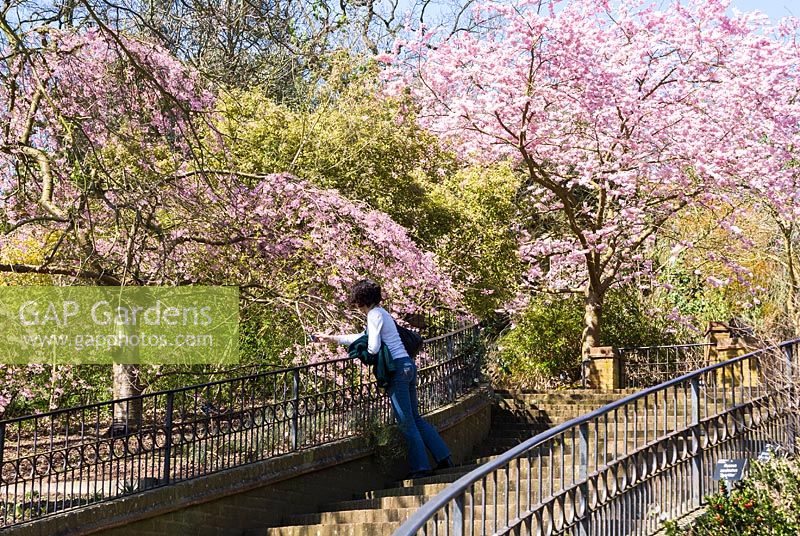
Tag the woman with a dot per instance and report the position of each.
(402, 388)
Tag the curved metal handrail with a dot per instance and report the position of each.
(455, 492)
(244, 378)
(72, 457)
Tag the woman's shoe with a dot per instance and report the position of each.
(446, 463)
(418, 474)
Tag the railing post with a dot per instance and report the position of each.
(458, 515)
(791, 430)
(475, 360)
(2, 442)
(449, 386)
(168, 439)
(583, 472)
(295, 405)
(697, 458)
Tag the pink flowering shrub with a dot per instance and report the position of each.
(36, 388)
(105, 181)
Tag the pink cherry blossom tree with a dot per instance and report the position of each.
(105, 178)
(86, 114)
(105, 181)
(621, 114)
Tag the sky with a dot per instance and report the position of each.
(775, 9)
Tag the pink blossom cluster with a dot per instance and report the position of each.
(284, 233)
(281, 239)
(95, 107)
(109, 125)
(129, 76)
(35, 383)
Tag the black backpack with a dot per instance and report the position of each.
(412, 341)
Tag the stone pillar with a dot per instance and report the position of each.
(716, 333)
(604, 369)
(725, 346)
(743, 373)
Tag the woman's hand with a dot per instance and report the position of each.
(319, 337)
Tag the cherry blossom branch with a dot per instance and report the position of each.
(19, 268)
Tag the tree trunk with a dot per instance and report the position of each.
(593, 310)
(793, 299)
(128, 414)
(793, 309)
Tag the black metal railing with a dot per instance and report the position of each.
(69, 458)
(645, 366)
(632, 464)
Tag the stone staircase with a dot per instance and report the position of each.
(516, 417)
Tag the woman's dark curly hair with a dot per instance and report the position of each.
(365, 292)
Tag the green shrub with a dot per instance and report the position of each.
(766, 503)
(542, 347)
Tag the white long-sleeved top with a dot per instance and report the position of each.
(380, 328)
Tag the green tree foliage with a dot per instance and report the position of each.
(479, 244)
(704, 271)
(343, 137)
(371, 149)
(543, 345)
(694, 298)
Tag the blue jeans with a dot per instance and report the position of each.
(416, 431)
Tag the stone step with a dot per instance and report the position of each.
(533, 403)
(483, 456)
(505, 405)
(547, 402)
(428, 490)
(522, 418)
(610, 443)
(546, 408)
(425, 487)
(489, 511)
(611, 430)
(412, 493)
(515, 418)
(441, 476)
(633, 424)
(547, 411)
(460, 469)
(557, 417)
(346, 529)
(372, 515)
(589, 397)
(569, 394)
(400, 501)
(377, 528)
(503, 432)
(486, 453)
(418, 486)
